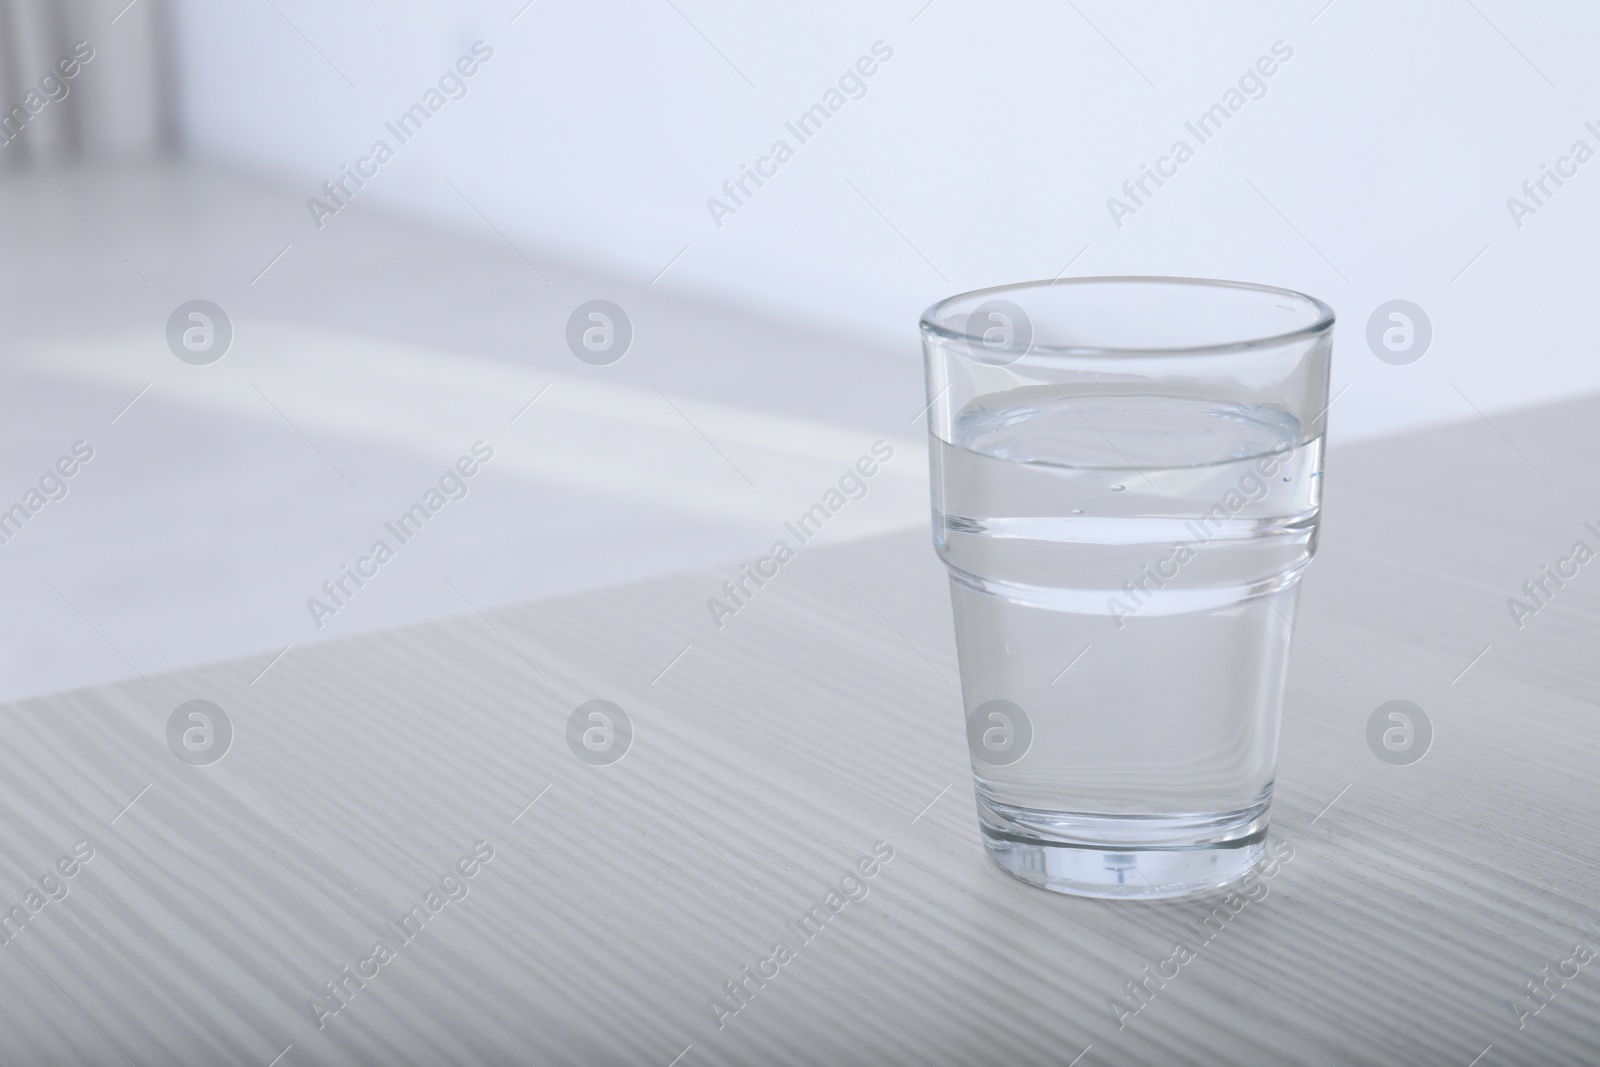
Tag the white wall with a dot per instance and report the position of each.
(1377, 165)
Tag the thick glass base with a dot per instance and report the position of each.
(1131, 857)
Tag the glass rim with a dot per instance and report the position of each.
(1322, 323)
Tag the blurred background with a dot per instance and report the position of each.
(386, 310)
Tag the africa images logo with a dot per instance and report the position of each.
(199, 732)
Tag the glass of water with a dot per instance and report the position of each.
(1126, 480)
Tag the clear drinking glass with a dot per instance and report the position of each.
(1126, 479)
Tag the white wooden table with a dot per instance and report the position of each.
(771, 756)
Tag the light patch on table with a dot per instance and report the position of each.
(628, 441)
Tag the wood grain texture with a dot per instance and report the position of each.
(767, 759)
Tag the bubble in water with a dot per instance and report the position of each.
(1118, 488)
